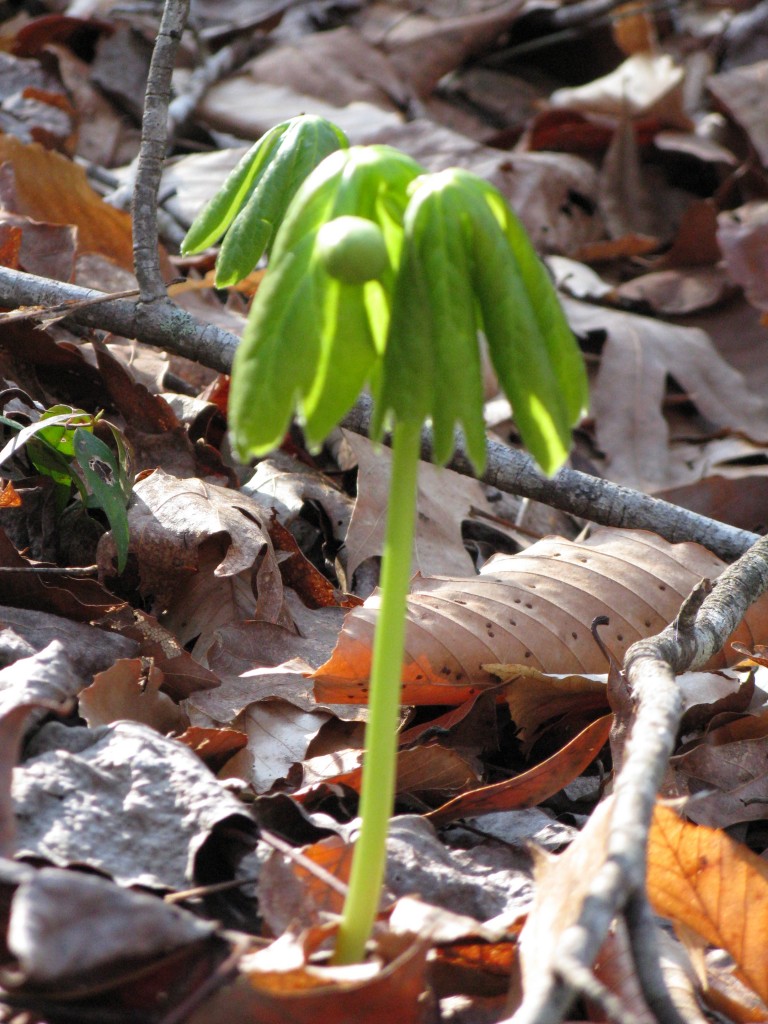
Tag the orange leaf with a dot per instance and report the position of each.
(536, 784)
(51, 188)
(10, 497)
(700, 878)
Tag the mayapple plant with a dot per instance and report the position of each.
(382, 275)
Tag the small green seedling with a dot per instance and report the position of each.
(382, 275)
(63, 446)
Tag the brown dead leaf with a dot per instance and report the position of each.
(740, 92)
(431, 772)
(278, 735)
(80, 598)
(679, 291)
(743, 238)
(182, 675)
(741, 501)
(701, 879)
(52, 189)
(170, 519)
(130, 690)
(425, 46)
(47, 250)
(644, 85)
(282, 983)
(337, 66)
(445, 500)
(726, 773)
(638, 356)
(536, 699)
(534, 609)
(214, 747)
(626, 202)
(10, 245)
(530, 788)
(9, 497)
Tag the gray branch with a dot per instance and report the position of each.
(165, 325)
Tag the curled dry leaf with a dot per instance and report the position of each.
(130, 690)
(537, 784)
(171, 518)
(282, 983)
(534, 609)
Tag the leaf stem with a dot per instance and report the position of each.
(377, 791)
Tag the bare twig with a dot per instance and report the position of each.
(154, 138)
(162, 324)
(169, 327)
(707, 619)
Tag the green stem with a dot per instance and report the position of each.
(377, 792)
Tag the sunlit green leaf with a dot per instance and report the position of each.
(102, 477)
(311, 342)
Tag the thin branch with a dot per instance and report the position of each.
(162, 324)
(508, 469)
(154, 138)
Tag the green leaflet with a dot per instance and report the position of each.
(311, 342)
(103, 478)
(216, 216)
(254, 198)
(431, 365)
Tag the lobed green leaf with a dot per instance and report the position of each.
(304, 144)
(311, 342)
(219, 212)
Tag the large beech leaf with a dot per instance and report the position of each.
(533, 609)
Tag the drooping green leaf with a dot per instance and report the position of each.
(564, 353)
(102, 477)
(306, 141)
(311, 341)
(16, 443)
(216, 216)
(432, 364)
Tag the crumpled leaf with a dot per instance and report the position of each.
(726, 772)
(534, 609)
(702, 879)
(130, 689)
(281, 983)
(170, 519)
(645, 84)
(124, 800)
